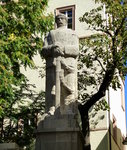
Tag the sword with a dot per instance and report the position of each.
(57, 90)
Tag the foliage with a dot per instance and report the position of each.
(103, 55)
(22, 26)
(21, 121)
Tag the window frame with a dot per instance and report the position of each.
(67, 8)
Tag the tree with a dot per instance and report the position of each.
(103, 56)
(22, 26)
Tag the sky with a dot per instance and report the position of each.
(126, 90)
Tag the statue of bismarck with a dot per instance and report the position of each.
(61, 48)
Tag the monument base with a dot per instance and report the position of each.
(9, 146)
(59, 134)
(58, 139)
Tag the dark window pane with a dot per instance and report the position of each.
(70, 20)
(70, 25)
(69, 13)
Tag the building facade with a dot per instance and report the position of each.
(108, 128)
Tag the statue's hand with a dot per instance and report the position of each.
(58, 49)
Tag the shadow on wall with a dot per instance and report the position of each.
(107, 139)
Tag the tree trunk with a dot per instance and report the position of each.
(85, 127)
(84, 109)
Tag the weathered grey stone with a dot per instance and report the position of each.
(61, 121)
(59, 133)
(60, 50)
(58, 129)
(9, 146)
(66, 139)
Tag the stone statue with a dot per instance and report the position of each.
(61, 48)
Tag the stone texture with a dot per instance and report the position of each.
(66, 139)
(9, 146)
(58, 128)
(61, 48)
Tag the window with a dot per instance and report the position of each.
(69, 11)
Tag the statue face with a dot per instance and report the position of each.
(61, 21)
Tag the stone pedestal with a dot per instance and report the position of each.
(59, 134)
(67, 139)
(58, 129)
(9, 146)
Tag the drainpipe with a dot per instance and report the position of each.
(110, 142)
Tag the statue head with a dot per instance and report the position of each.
(61, 20)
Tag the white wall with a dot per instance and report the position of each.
(115, 96)
(81, 6)
(33, 74)
(117, 110)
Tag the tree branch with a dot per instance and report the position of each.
(120, 27)
(105, 31)
(102, 90)
(100, 64)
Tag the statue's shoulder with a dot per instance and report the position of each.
(73, 32)
(62, 31)
(50, 34)
(52, 31)
(70, 30)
